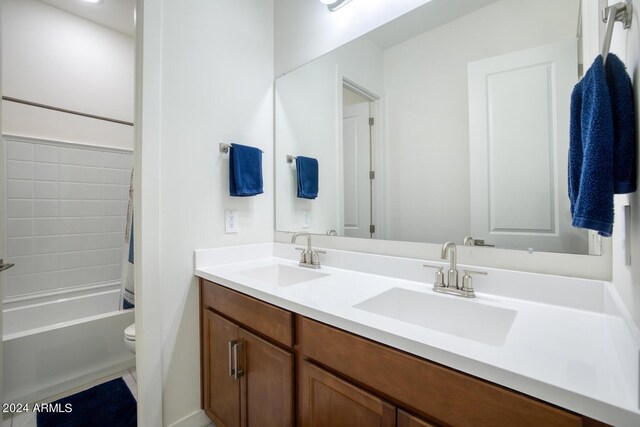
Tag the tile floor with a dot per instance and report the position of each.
(29, 419)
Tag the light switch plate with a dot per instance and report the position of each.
(306, 218)
(231, 222)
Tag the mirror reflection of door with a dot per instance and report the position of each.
(519, 142)
(357, 163)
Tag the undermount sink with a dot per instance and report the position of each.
(462, 318)
(281, 275)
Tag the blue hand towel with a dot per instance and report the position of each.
(307, 169)
(599, 133)
(591, 152)
(245, 171)
(624, 126)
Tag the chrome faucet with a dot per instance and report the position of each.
(470, 241)
(308, 258)
(449, 251)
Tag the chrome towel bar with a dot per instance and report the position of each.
(619, 12)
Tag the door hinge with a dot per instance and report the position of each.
(372, 174)
(372, 229)
(372, 121)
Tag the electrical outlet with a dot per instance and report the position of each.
(231, 222)
(306, 218)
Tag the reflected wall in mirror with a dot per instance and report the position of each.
(451, 121)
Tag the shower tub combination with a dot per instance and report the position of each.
(62, 342)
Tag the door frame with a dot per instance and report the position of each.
(146, 202)
(378, 198)
(2, 216)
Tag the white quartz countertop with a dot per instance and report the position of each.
(571, 343)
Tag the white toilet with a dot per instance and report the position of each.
(130, 337)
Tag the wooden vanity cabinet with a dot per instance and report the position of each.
(341, 379)
(247, 380)
(429, 390)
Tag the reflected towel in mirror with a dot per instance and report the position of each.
(307, 170)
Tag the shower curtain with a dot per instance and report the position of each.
(128, 294)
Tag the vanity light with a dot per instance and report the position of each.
(334, 4)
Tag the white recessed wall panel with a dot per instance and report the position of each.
(520, 144)
(65, 227)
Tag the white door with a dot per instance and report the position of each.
(519, 140)
(357, 164)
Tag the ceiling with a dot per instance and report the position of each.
(114, 14)
(422, 19)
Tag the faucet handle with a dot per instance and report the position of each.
(467, 283)
(470, 272)
(303, 255)
(315, 257)
(439, 283)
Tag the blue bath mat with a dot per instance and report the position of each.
(110, 404)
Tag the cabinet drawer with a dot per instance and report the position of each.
(430, 390)
(264, 318)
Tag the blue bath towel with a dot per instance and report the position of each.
(245, 171)
(307, 170)
(599, 141)
(624, 126)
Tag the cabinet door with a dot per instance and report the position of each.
(267, 383)
(328, 401)
(408, 420)
(221, 390)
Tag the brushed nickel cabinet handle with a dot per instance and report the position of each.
(231, 370)
(237, 372)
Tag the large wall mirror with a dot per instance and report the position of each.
(448, 123)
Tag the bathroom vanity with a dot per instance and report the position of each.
(284, 345)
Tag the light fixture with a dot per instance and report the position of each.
(334, 4)
(93, 1)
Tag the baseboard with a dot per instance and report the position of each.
(195, 419)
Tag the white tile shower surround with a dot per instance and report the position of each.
(65, 214)
(572, 342)
(28, 419)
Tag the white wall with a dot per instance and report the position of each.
(305, 29)
(55, 58)
(426, 99)
(309, 123)
(215, 85)
(626, 278)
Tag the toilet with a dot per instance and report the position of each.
(130, 337)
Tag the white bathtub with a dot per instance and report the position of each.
(52, 346)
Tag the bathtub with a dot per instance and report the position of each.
(64, 341)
